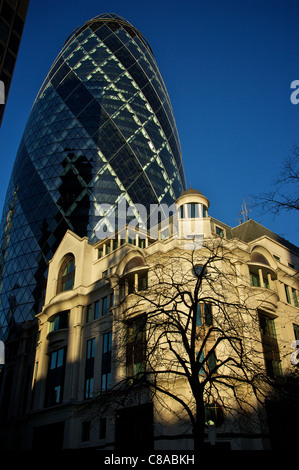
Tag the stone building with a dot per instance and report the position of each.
(83, 373)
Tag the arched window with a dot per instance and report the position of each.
(66, 275)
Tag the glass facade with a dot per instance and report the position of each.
(101, 131)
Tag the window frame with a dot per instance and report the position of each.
(64, 278)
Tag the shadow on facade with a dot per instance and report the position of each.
(27, 423)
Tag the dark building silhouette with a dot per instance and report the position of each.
(101, 131)
(12, 19)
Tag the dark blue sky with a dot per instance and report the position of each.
(228, 66)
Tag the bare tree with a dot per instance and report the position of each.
(285, 195)
(190, 339)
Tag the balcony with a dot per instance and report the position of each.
(263, 290)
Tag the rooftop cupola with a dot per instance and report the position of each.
(192, 210)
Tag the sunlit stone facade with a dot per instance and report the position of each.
(81, 345)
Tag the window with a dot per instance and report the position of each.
(60, 321)
(219, 231)
(55, 377)
(287, 292)
(200, 360)
(66, 275)
(89, 368)
(267, 326)
(192, 210)
(141, 242)
(132, 240)
(213, 414)
(270, 346)
(296, 331)
(142, 281)
(204, 315)
(100, 307)
(207, 365)
(273, 368)
(254, 279)
(135, 349)
(104, 305)
(295, 299)
(106, 361)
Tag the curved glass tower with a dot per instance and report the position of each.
(101, 131)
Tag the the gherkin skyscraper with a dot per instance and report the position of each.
(101, 129)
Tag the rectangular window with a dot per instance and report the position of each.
(142, 281)
(296, 331)
(288, 297)
(270, 346)
(200, 360)
(266, 282)
(60, 321)
(106, 361)
(193, 211)
(141, 242)
(204, 315)
(211, 360)
(254, 279)
(135, 349)
(104, 305)
(89, 368)
(55, 378)
(219, 231)
(267, 326)
(96, 309)
(273, 368)
(295, 299)
(89, 313)
(132, 240)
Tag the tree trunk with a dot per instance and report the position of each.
(199, 426)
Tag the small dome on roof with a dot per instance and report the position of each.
(191, 191)
(188, 194)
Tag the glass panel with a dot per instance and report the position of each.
(255, 280)
(294, 292)
(60, 357)
(104, 305)
(53, 360)
(286, 288)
